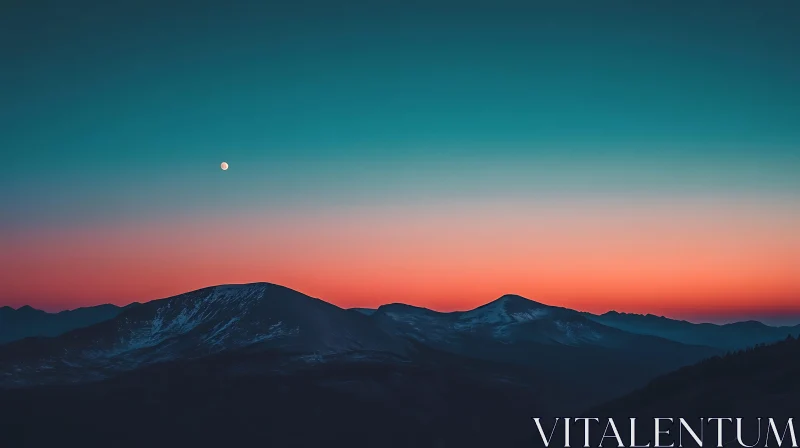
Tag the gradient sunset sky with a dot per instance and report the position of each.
(629, 155)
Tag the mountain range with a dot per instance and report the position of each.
(267, 317)
(27, 321)
(235, 364)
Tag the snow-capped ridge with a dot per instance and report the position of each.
(507, 309)
(254, 316)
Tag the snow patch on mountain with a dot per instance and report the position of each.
(275, 331)
(176, 319)
(506, 320)
(219, 332)
(260, 317)
(576, 332)
(498, 312)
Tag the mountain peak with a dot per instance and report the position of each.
(515, 298)
(648, 316)
(751, 324)
(515, 301)
(240, 286)
(29, 310)
(508, 308)
(247, 288)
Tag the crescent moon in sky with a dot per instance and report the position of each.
(224, 166)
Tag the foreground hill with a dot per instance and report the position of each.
(760, 382)
(754, 385)
(255, 399)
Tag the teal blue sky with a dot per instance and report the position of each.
(120, 109)
(635, 155)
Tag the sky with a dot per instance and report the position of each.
(636, 156)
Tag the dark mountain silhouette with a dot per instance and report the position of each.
(758, 382)
(726, 337)
(199, 323)
(555, 340)
(264, 317)
(508, 320)
(29, 322)
(262, 364)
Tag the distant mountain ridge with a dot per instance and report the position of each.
(509, 319)
(27, 321)
(731, 336)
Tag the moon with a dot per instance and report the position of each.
(224, 166)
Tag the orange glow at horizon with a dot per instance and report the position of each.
(660, 257)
